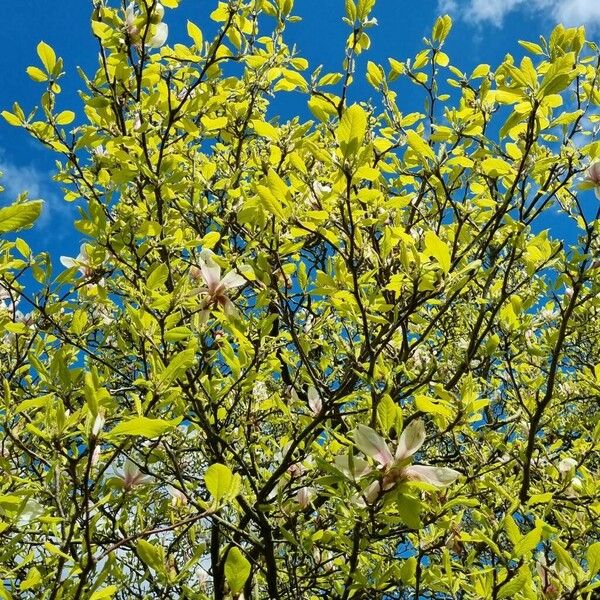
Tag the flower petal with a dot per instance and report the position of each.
(411, 440)
(160, 37)
(356, 470)
(68, 262)
(232, 280)
(314, 400)
(437, 476)
(211, 271)
(373, 445)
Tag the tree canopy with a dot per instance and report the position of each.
(340, 356)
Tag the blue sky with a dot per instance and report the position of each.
(484, 31)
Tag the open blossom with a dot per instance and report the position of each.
(216, 288)
(303, 497)
(395, 466)
(567, 466)
(7, 299)
(132, 476)
(592, 174)
(81, 261)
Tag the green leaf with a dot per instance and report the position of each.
(432, 406)
(157, 277)
(104, 593)
(220, 482)
(11, 119)
(270, 202)
(437, 248)
(419, 145)
(151, 555)
(19, 216)
(409, 510)
(495, 167)
(178, 365)
(387, 414)
(514, 584)
(65, 117)
(47, 56)
(195, 33)
(145, 427)
(593, 559)
(528, 542)
(351, 131)
(37, 74)
(237, 570)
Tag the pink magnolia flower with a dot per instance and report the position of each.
(216, 288)
(592, 174)
(314, 401)
(178, 498)
(303, 497)
(395, 466)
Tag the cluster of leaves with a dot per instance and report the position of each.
(329, 358)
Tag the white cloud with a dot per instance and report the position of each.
(39, 186)
(494, 12)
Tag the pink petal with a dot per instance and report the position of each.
(411, 440)
(373, 445)
(437, 476)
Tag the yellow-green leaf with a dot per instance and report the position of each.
(419, 145)
(437, 248)
(47, 56)
(351, 130)
(237, 570)
(37, 74)
(19, 216)
(145, 427)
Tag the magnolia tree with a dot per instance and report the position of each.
(343, 356)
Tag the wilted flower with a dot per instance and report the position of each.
(592, 174)
(216, 288)
(132, 476)
(396, 466)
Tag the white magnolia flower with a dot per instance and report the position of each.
(98, 424)
(8, 301)
(130, 26)
(217, 288)
(592, 174)
(314, 401)
(160, 36)
(132, 476)
(30, 512)
(81, 261)
(395, 466)
(567, 466)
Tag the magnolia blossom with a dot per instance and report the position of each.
(303, 497)
(314, 401)
(395, 466)
(81, 261)
(7, 299)
(132, 476)
(567, 466)
(178, 498)
(160, 36)
(98, 424)
(217, 288)
(592, 174)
